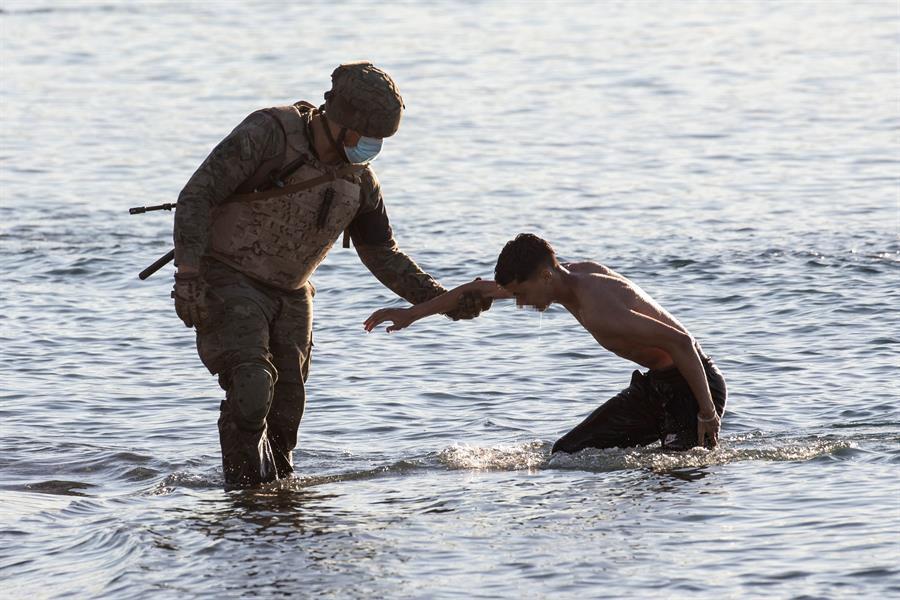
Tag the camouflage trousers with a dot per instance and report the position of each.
(258, 340)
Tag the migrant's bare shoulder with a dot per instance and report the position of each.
(588, 266)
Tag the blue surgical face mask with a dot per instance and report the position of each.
(365, 150)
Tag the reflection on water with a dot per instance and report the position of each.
(264, 514)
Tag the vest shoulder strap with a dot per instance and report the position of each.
(261, 176)
(299, 186)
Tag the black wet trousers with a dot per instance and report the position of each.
(258, 340)
(657, 406)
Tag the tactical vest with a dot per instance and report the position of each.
(281, 238)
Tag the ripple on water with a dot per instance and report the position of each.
(61, 488)
(741, 196)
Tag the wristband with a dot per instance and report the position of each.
(715, 417)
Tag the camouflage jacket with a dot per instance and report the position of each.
(237, 159)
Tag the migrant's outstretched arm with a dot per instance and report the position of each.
(404, 317)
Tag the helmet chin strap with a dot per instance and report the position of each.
(338, 144)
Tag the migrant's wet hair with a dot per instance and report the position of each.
(522, 257)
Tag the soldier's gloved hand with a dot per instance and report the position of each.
(190, 298)
(470, 305)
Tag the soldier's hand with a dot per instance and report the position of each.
(189, 294)
(470, 305)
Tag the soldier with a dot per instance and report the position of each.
(252, 225)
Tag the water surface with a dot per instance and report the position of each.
(738, 161)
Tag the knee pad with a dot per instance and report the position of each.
(250, 394)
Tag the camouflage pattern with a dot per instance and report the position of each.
(253, 323)
(282, 240)
(235, 160)
(247, 456)
(189, 294)
(364, 98)
(257, 318)
(397, 272)
(232, 162)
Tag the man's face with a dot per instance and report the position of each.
(534, 291)
(351, 138)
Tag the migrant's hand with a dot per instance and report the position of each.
(400, 317)
(470, 305)
(708, 430)
(189, 294)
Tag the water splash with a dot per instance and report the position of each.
(186, 479)
(656, 459)
(530, 455)
(536, 455)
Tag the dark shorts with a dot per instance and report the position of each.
(657, 406)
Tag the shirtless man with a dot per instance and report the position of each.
(679, 401)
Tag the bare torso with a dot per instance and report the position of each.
(602, 301)
(621, 316)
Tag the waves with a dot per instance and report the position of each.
(534, 456)
(355, 517)
(94, 471)
(748, 183)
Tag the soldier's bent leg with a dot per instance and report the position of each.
(283, 422)
(291, 345)
(234, 344)
(249, 395)
(247, 457)
(289, 403)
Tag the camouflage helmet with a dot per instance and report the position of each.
(364, 98)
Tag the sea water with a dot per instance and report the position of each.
(739, 161)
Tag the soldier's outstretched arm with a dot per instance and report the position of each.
(404, 277)
(230, 164)
(374, 241)
(398, 272)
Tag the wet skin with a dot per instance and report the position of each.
(605, 303)
(615, 311)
